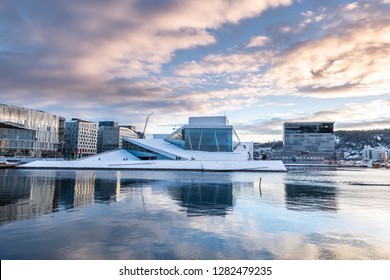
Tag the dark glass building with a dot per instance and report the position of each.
(309, 137)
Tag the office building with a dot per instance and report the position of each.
(108, 123)
(111, 137)
(80, 138)
(30, 132)
(309, 137)
(307, 141)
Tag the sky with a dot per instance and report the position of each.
(259, 62)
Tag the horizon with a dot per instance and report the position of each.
(178, 127)
(258, 63)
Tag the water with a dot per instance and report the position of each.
(342, 214)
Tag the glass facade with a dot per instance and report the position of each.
(13, 139)
(208, 134)
(177, 138)
(18, 124)
(309, 137)
(301, 128)
(207, 139)
(110, 138)
(141, 153)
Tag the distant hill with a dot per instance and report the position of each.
(355, 140)
(347, 140)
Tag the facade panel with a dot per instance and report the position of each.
(30, 132)
(309, 137)
(209, 139)
(81, 138)
(110, 137)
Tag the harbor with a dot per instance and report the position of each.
(154, 215)
(220, 137)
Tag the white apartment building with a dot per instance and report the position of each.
(80, 138)
(375, 154)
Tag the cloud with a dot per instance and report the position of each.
(106, 39)
(349, 57)
(258, 41)
(221, 64)
(99, 58)
(352, 56)
(311, 17)
(351, 6)
(371, 115)
(79, 54)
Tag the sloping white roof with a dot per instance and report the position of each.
(172, 151)
(199, 165)
(113, 155)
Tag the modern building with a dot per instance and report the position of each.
(314, 141)
(30, 132)
(80, 138)
(202, 134)
(111, 136)
(131, 127)
(309, 137)
(205, 144)
(108, 123)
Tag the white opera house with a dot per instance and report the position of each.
(204, 144)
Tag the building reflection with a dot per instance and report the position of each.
(300, 197)
(107, 191)
(27, 197)
(73, 192)
(200, 199)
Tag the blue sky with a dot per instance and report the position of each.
(261, 63)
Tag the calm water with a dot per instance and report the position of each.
(342, 214)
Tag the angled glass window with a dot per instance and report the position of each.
(142, 153)
(209, 139)
(177, 138)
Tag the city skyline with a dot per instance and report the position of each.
(260, 63)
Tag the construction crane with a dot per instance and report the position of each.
(146, 123)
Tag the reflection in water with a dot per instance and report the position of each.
(107, 190)
(191, 215)
(26, 197)
(301, 197)
(203, 198)
(75, 191)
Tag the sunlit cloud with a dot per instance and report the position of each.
(219, 64)
(351, 6)
(351, 59)
(258, 41)
(124, 59)
(78, 50)
(372, 115)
